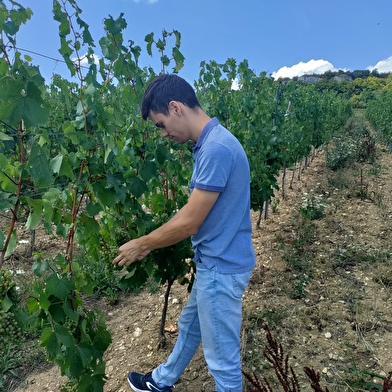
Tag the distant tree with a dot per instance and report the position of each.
(359, 88)
(360, 74)
(328, 75)
(388, 83)
(375, 73)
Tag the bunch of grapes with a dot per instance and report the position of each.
(7, 286)
(74, 328)
(9, 328)
(69, 386)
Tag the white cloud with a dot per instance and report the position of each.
(383, 66)
(235, 85)
(84, 61)
(311, 67)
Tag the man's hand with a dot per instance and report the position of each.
(129, 253)
(183, 224)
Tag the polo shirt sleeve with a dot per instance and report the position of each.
(215, 165)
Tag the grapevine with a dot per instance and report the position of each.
(84, 165)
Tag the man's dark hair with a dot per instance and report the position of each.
(164, 89)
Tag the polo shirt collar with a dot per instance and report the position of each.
(206, 130)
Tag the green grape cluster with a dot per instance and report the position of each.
(9, 328)
(69, 386)
(7, 285)
(73, 328)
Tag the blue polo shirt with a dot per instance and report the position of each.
(225, 237)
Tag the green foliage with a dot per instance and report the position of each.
(312, 208)
(12, 322)
(355, 145)
(296, 254)
(8, 362)
(378, 113)
(102, 277)
(358, 87)
(385, 277)
(78, 159)
(342, 153)
(364, 380)
(353, 254)
(21, 84)
(277, 124)
(10, 328)
(73, 336)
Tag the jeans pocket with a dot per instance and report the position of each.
(240, 281)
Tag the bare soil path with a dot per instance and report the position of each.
(343, 322)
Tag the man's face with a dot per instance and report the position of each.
(171, 126)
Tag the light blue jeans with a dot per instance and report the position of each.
(213, 315)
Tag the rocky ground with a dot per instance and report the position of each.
(338, 318)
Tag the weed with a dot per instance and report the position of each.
(8, 363)
(361, 379)
(284, 372)
(270, 316)
(355, 254)
(298, 284)
(342, 154)
(253, 337)
(341, 179)
(275, 204)
(384, 277)
(376, 169)
(312, 208)
(287, 379)
(296, 256)
(152, 285)
(306, 232)
(356, 144)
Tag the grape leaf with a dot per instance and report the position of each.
(21, 101)
(39, 166)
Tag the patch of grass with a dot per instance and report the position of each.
(384, 277)
(355, 254)
(341, 179)
(9, 361)
(19, 361)
(376, 169)
(253, 335)
(298, 255)
(365, 380)
(152, 285)
(312, 208)
(270, 316)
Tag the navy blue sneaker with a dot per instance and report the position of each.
(145, 383)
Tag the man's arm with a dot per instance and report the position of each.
(183, 224)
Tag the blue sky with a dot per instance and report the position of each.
(280, 37)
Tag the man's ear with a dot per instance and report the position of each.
(175, 107)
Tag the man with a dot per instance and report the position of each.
(217, 217)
